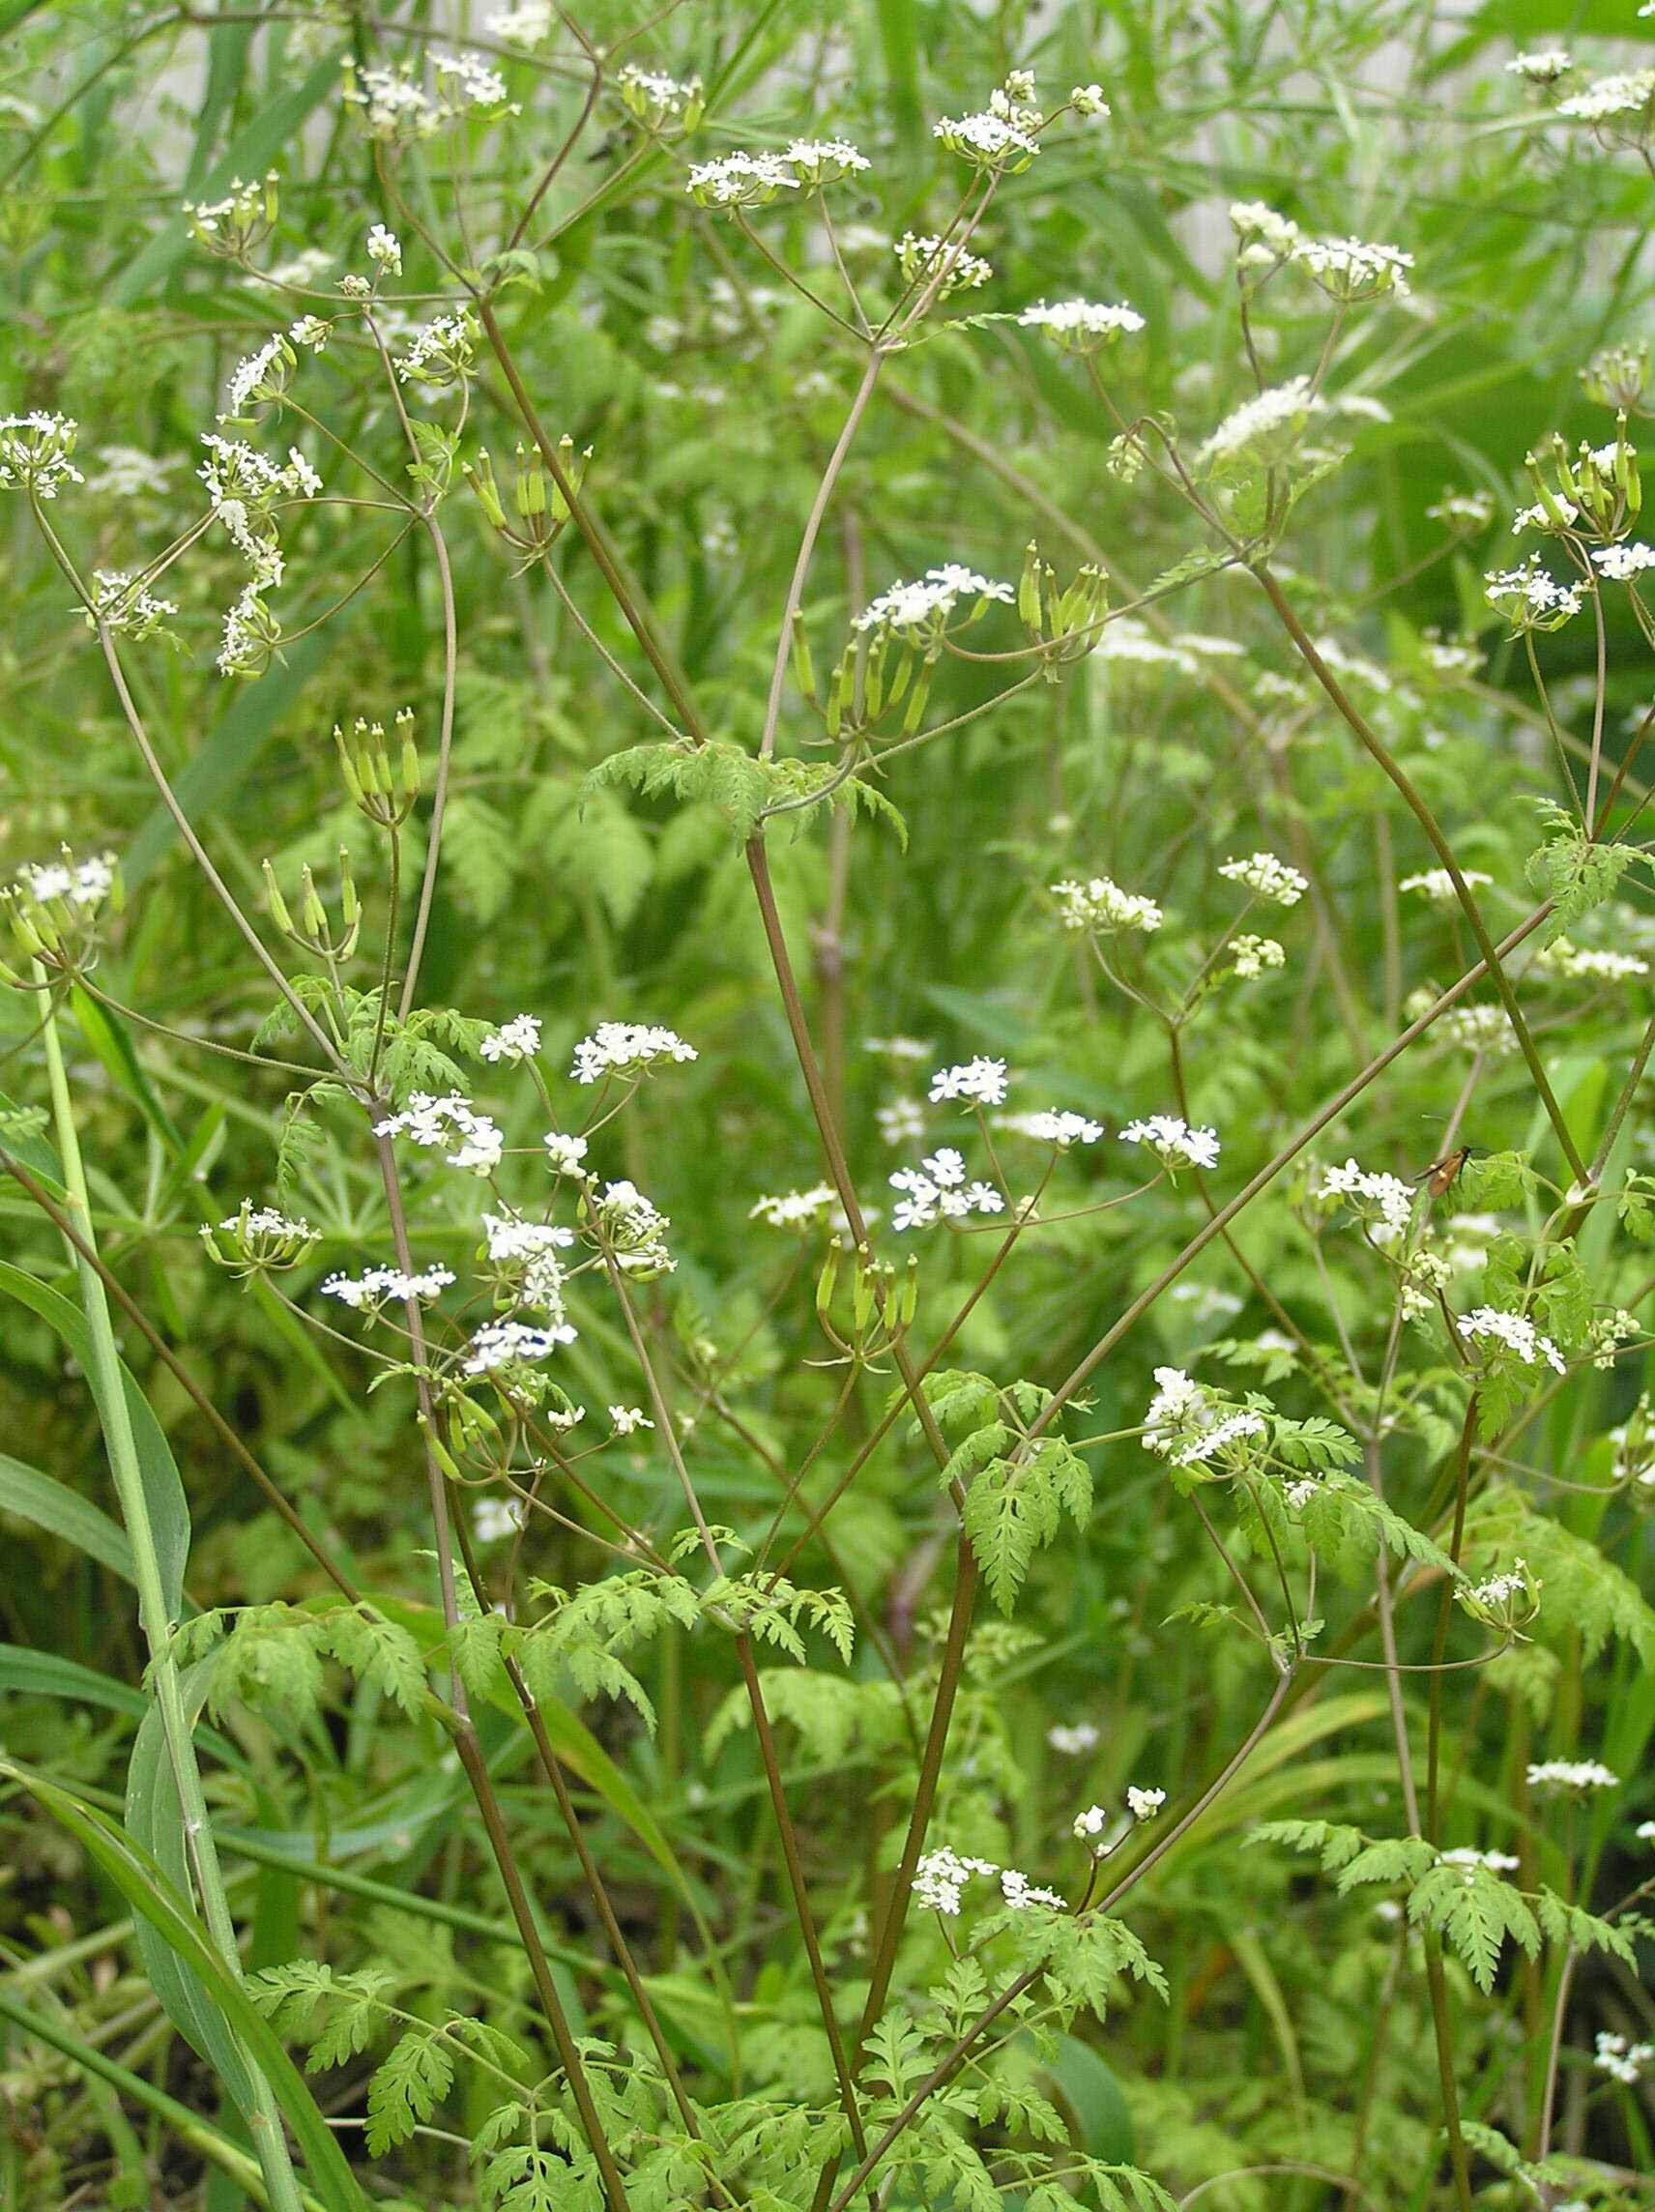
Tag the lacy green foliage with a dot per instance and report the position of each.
(1164, 863)
(1017, 1487)
(745, 790)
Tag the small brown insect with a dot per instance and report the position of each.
(1441, 1173)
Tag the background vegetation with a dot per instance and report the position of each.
(664, 1953)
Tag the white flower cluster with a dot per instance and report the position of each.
(34, 453)
(1103, 1830)
(1101, 905)
(919, 611)
(739, 180)
(1262, 430)
(1080, 326)
(1472, 1862)
(525, 25)
(1349, 271)
(1252, 955)
(1049, 1126)
(439, 353)
(1383, 1198)
(1089, 99)
(436, 1122)
(1540, 64)
(626, 1048)
(941, 1876)
(1629, 92)
(1624, 2062)
(982, 1081)
(1072, 1741)
(923, 258)
(1482, 1028)
(1438, 885)
(1173, 1142)
(81, 884)
(265, 1221)
(384, 249)
(795, 1209)
(566, 1153)
(1530, 598)
(988, 140)
(1267, 878)
(1501, 1588)
(1235, 1428)
(531, 1247)
(1620, 563)
(636, 1232)
(1574, 962)
(261, 375)
(1572, 1774)
(506, 1344)
(627, 1420)
(655, 98)
(516, 1040)
(394, 105)
(938, 1189)
(825, 161)
(125, 605)
(370, 1291)
(1516, 1331)
(900, 1121)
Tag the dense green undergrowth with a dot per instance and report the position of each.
(830, 1263)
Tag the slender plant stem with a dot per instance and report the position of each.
(155, 1614)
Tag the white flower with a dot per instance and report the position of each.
(125, 605)
(1573, 961)
(825, 161)
(439, 354)
(1073, 1742)
(251, 635)
(1645, 1831)
(1252, 955)
(900, 1119)
(1235, 1428)
(1349, 270)
(636, 1230)
(741, 180)
(266, 1221)
(262, 376)
(655, 98)
(1101, 905)
(526, 25)
(1091, 1822)
(1465, 509)
(1258, 225)
(384, 247)
(309, 332)
(1622, 2061)
(1572, 1774)
(982, 1080)
(1560, 513)
(1438, 885)
(1019, 1893)
(1179, 1410)
(1628, 93)
(35, 452)
(499, 1344)
(1371, 1193)
(1089, 99)
(990, 141)
(1174, 1141)
(1267, 878)
(625, 1419)
(435, 1122)
(1516, 1331)
(626, 1048)
(566, 1153)
(1264, 431)
(516, 1040)
(1530, 598)
(941, 1876)
(467, 80)
(1052, 1128)
(1540, 64)
(373, 1289)
(793, 1209)
(1482, 1028)
(493, 1518)
(939, 1190)
(1490, 1862)
(923, 258)
(1144, 1804)
(946, 1168)
(1080, 326)
(919, 611)
(129, 472)
(898, 1047)
(1621, 562)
